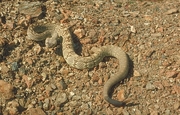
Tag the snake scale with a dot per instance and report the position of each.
(50, 32)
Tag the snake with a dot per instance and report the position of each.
(51, 32)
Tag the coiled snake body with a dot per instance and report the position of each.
(51, 32)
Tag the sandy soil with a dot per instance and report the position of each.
(37, 80)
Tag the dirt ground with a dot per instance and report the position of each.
(37, 80)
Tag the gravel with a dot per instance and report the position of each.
(41, 82)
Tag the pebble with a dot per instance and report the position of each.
(176, 105)
(12, 108)
(150, 86)
(136, 74)
(37, 49)
(63, 85)
(171, 11)
(167, 112)
(176, 88)
(100, 22)
(85, 106)
(109, 111)
(53, 86)
(80, 33)
(6, 90)
(94, 78)
(34, 111)
(156, 35)
(178, 76)
(4, 68)
(154, 113)
(171, 74)
(120, 95)
(14, 66)
(30, 8)
(100, 81)
(44, 76)
(46, 104)
(85, 97)
(60, 99)
(75, 97)
(138, 112)
(125, 112)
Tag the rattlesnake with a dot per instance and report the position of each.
(51, 32)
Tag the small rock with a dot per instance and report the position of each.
(149, 52)
(125, 112)
(4, 68)
(178, 76)
(171, 74)
(37, 49)
(177, 89)
(156, 35)
(150, 86)
(3, 42)
(60, 99)
(167, 112)
(10, 24)
(73, 103)
(106, 78)
(148, 17)
(100, 81)
(30, 8)
(76, 98)
(28, 80)
(48, 90)
(14, 66)
(29, 60)
(61, 59)
(102, 65)
(158, 85)
(62, 84)
(34, 111)
(156, 106)
(79, 33)
(12, 108)
(46, 104)
(134, 13)
(126, 13)
(138, 112)
(6, 90)
(53, 86)
(95, 78)
(176, 105)
(133, 30)
(85, 97)
(64, 71)
(109, 111)
(44, 76)
(172, 11)
(120, 95)
(154, 113)
(136, 74)
(84, 106)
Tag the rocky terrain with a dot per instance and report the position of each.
(35, 79)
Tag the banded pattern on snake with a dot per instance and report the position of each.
(51, 32)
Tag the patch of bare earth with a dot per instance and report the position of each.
(37, 80)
